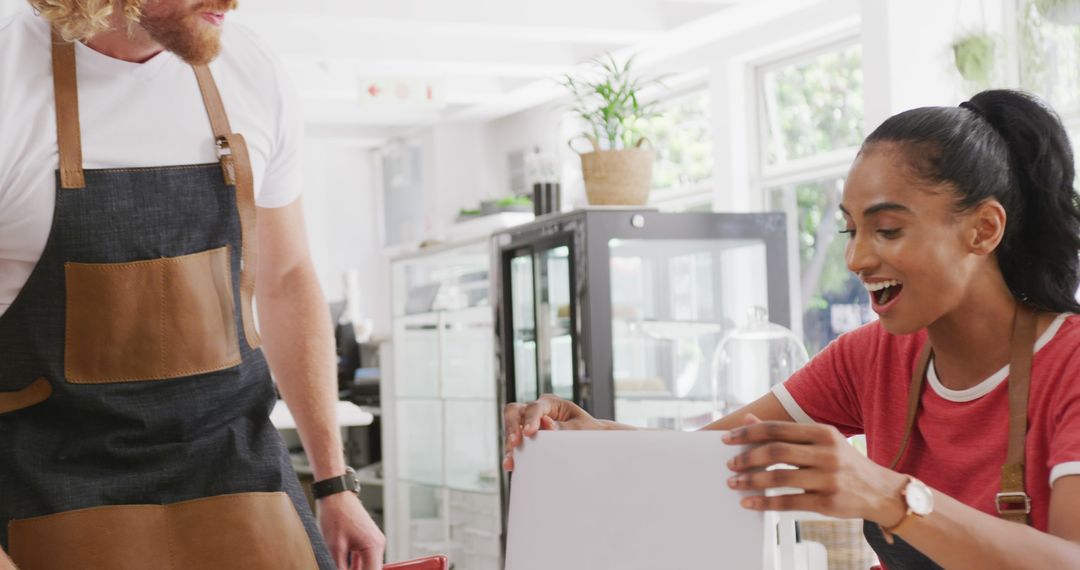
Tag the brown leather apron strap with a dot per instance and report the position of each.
(219, 121)
(68, 137)
(1012, 503)
(37, 392)
(236, 167)
(245, 202)
(914, 395)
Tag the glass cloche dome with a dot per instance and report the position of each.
(752, 359)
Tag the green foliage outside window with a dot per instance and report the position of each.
(1050, 59)
(682, 136)
(823, 271)
(808, 109)
(813, 107)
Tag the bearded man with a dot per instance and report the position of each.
(140, 140)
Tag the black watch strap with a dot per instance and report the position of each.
(339, 484)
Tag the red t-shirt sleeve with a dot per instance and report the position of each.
(1064, 458)
(824, 391)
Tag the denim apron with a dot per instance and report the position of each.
(134, 399)
(1013, 503)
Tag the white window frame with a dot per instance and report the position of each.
(818, 166)
(1070, 117)
(830, 164)
(678, 198)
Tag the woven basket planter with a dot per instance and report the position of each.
(618, 177)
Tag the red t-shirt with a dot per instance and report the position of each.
(859, 384)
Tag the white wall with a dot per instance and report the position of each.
(339, 211)
(907, 51)
(463, 172)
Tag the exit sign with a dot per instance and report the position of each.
(402, 92)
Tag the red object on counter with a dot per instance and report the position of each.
(429, 563)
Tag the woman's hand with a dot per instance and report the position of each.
(548, 413)
(838, 480)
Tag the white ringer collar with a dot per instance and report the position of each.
(986, 386)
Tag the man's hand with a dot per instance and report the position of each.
(355, 542)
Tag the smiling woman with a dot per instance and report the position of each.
(964, 229)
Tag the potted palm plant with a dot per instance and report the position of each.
(618, 169)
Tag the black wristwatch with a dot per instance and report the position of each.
(339, 484)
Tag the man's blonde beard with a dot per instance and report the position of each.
(182, 33)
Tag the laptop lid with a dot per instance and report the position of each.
(648, 500)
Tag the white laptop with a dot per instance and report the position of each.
(634, 500)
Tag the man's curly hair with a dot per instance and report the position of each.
(82, 19)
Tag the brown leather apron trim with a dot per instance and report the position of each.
(245, 530)
(68, 136)
(236, 167)
(219, 121)
(150, 320)
(914, 394)
(1012, 473)
(1022, 346)
(37, 392)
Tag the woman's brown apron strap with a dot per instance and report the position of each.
(914, 395)
(1012, 503)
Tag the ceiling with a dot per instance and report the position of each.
(352, 60)
(455, 59)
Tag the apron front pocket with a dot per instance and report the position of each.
(246, 530)
(150, 320)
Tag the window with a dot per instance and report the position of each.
(682, 137)
(809, 108)
(833, 299)
(401, 190)
(810, 125)
(1050, 59)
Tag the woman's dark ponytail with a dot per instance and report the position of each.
(1006, 145)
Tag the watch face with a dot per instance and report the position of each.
(920, 499)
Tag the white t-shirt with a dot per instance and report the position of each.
(131, 115)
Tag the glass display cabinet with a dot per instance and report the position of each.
(623, 310)
(446, 417)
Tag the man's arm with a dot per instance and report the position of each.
(299, 345)
(297, 336)
(5, 562)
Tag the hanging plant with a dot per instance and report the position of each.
(974, 56)
(1059, 11)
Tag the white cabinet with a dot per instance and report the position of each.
(446, 465)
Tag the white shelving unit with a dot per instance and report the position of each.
(443, 477)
